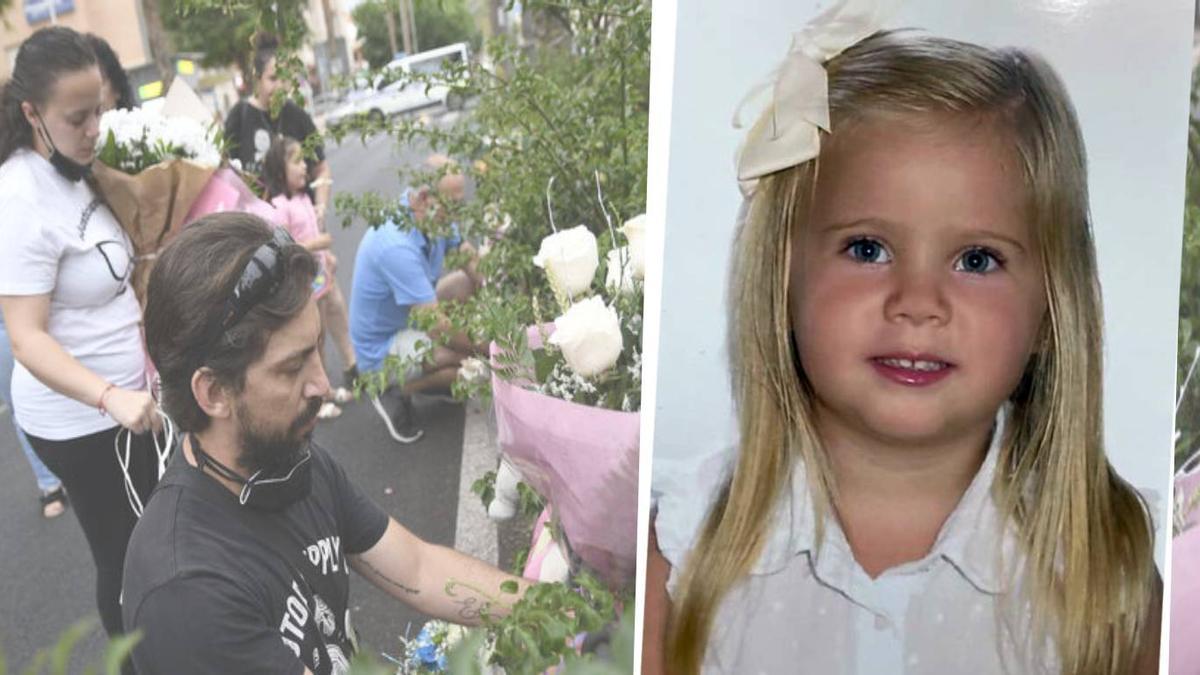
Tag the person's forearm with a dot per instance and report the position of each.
(465, 588)
(318, 243)
(322, 182)
(46, 359)
(472, 267)
(436, 580)
(459, 342)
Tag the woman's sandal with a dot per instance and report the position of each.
(54, 503)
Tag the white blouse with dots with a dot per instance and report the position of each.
(807, 611)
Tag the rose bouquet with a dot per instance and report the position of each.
(567, 396)
(594, 352)
(150, 169)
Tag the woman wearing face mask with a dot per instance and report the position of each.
(64, 270)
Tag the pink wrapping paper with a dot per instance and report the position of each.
(584, 461)
(1185, 602)
(226, 191)
(1185, 583)
(533, 566)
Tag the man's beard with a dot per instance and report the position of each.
(269, 451)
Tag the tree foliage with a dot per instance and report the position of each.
(1188, 417)
(549, 123)
(223, 29)
(438, 23)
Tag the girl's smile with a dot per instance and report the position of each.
(916, 290)
(917, 370)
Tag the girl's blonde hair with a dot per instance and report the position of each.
(1085, 535)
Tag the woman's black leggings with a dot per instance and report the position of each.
(89, 471)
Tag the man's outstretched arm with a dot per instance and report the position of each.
(437, 580)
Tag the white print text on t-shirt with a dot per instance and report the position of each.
(326, 555)
(86, 216)
(295, 617)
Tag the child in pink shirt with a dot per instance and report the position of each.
(286, 177)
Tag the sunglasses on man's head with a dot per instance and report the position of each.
(260, 279)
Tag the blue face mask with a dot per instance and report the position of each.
(66, 167)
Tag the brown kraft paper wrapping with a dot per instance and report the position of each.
(150, 206)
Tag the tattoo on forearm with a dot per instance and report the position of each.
(390, 581)
(470, 608)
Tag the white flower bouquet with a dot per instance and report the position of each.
(136, 139)
(567, 397)
(593, 354)
(150, 168)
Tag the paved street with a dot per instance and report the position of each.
(46, 571)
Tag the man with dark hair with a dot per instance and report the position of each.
(240, 562)
(250, 126)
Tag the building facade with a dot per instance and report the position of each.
(120, 22)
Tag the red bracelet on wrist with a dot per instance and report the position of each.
(100, 403)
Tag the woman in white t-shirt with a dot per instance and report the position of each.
(64, 292)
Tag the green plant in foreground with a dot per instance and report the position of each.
(540, 628)
(55, 660)
(1188, 414)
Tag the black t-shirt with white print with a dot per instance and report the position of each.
(249, 130)
(210, 595)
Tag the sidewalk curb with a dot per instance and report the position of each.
(474, 533)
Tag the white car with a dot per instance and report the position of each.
(402, 94)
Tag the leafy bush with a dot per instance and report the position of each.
(550, 120)
(1188, 416)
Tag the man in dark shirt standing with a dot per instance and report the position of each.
(249, 126)
(240, 562)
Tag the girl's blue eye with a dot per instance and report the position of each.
(978, 261)
(868, 251)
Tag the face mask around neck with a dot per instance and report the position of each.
(266, 492)
(66, 167)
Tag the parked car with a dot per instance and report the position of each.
(394, 92)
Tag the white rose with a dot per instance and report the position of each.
(634, 230)
(472, 370)
(570, 258)
(589, 335)
(620, 270)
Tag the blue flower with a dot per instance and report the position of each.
(427, 653)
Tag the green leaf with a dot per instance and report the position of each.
(119, 651)
(509, 586)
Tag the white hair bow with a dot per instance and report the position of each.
(787, 131)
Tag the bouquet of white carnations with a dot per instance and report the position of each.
(150, 168)
(136, 139)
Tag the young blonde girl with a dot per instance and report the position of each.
(286, 176)
(1008, 542)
